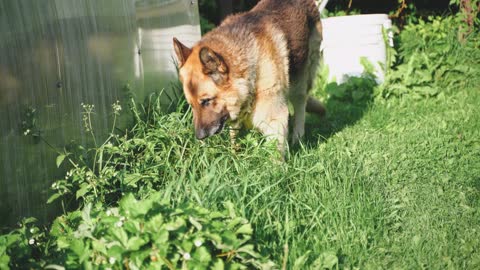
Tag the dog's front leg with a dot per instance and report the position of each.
(270, 117)
(233, 132)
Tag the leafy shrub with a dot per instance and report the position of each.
(152, 234)
(138, 234)
(22, 248)
(354, 89)
(432, 60)
(143, 231)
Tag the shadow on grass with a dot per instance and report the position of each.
(346, 104)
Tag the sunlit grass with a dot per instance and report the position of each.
(395, 185)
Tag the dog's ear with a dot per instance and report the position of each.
(213, 65)
(182, 51)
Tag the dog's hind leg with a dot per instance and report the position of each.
(298, 98)
(302, 83)
(313, 63)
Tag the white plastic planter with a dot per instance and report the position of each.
(346, 39)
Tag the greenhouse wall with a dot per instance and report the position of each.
(56, 55)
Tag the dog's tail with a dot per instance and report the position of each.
(315, 106)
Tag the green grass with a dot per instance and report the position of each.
(385, 184)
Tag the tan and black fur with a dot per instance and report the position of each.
(246, 70)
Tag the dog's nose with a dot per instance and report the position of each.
(201, 133)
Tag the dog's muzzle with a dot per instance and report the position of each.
(212, 129)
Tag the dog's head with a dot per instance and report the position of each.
(205, 77)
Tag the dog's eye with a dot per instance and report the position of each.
(205, 102)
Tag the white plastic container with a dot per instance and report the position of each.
(346, 39)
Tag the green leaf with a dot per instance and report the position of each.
(132, 226)
(53, 198)
(86, 213)
(135, 208)
(138, 258)
(234, 222)
(300, 261)
(202, 255)
(135, 243)
(161, 237)
(216, 238)
(29, 220)
(186, 245)
(4, 261)
(175, 225)
(63, 243)
(327, 260)
(78, 247)
(99, 246)
(245, 229)
(121, 236)
(358, 95)
(195, 223)
(132, 179)
(53, 267)
(155, 223)
(84, 188)
(60, 159)
(231, 209)
(218, 265)
(115, 252)
(249, 249)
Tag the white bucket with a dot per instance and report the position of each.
(346, 39)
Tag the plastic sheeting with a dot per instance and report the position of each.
(56, 55)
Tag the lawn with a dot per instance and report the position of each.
(379, 183)
(395, 184)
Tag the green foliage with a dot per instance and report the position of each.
(207, 14)
(467, 17)
(432, 60)
(23, 247)
(151, 234)
(138, 234)
(112, 229)
(354, 90)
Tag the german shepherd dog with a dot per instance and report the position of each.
(246, 70)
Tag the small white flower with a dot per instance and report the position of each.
(109, 212)
(32, 230)
(119, 224)
(54, 185)
(112, 260)
(26, 132)
(122, 219)
(186, 256)
(198, 243)
(31, 241)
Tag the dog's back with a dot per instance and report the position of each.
(295, 19)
